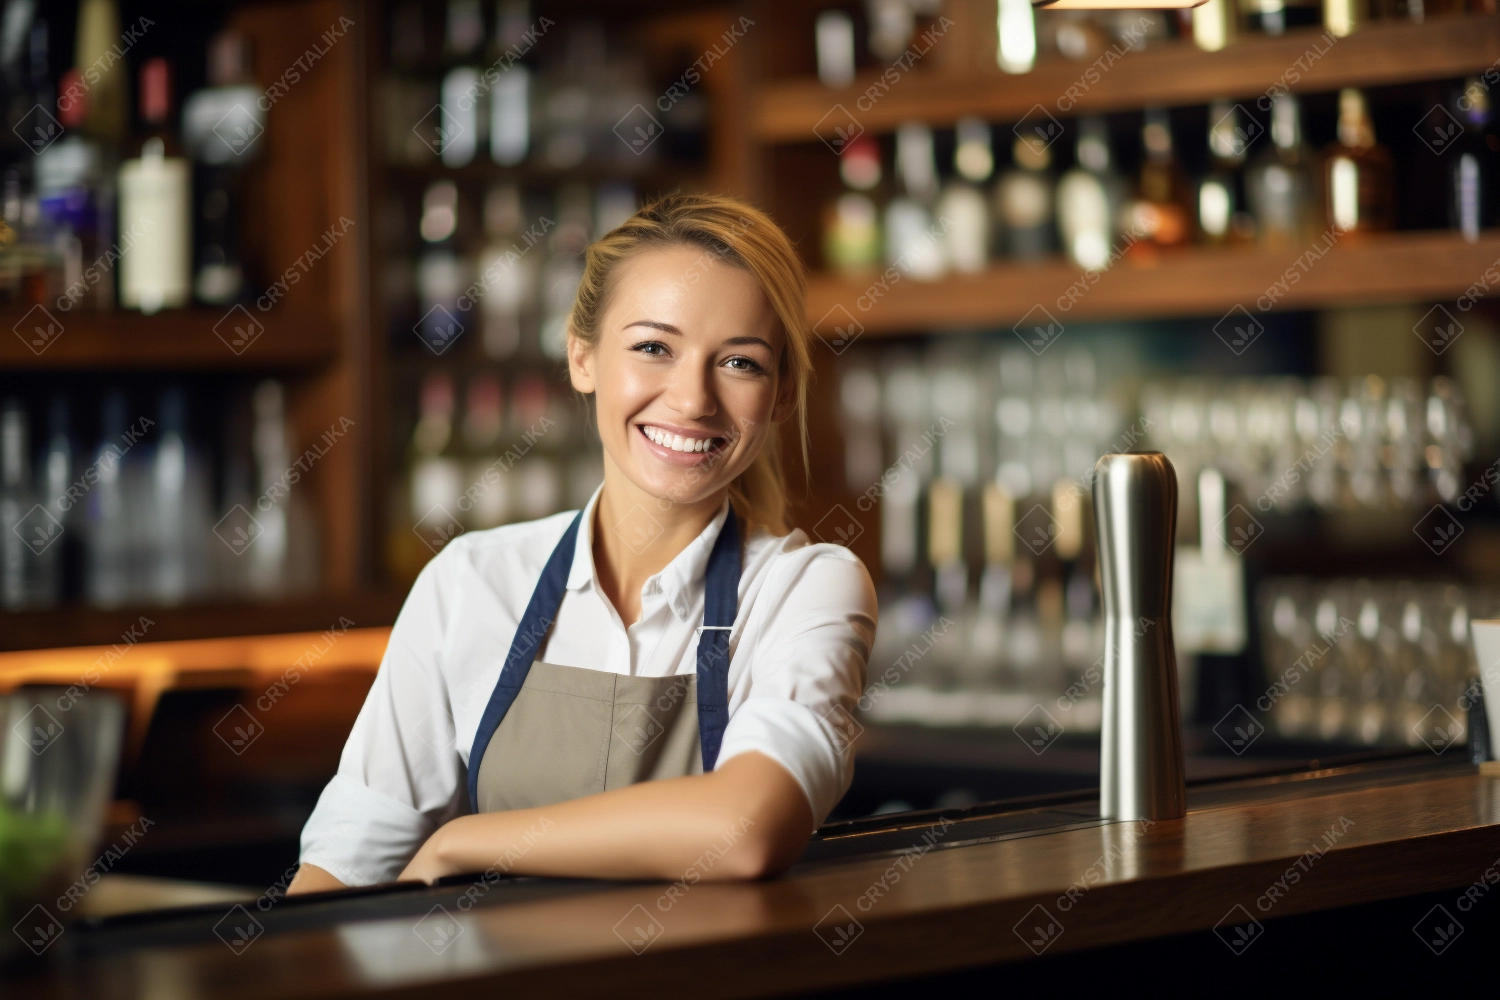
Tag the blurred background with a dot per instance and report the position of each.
(286, 284)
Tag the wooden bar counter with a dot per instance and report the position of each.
(915, 895)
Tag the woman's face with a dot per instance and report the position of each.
(683, 373)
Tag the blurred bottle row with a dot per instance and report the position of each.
(1291, 443)
(101, 209)
(516, 446)
(128, 502)
(504, 290)
(1276, 191)
(1375, 663)
(975, 467)
(487, 87)
(869, 37)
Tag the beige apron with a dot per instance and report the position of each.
(574, 732)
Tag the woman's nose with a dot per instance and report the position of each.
(691, 391)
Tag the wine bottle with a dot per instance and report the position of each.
(1160, 212)
(155, 200)
(1088, 199)
(1358, 172)
(1280, 184)
(1024, 198)
(851, 222)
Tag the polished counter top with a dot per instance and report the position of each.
(872, 899)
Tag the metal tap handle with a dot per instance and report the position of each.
(1135, 516)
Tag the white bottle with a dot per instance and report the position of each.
(155, 192)
(962, 213)
(914, 244)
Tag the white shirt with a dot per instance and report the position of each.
(801, 641)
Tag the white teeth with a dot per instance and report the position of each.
(675, 441)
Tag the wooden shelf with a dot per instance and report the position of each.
(176, 339)
(1399, 267)
(1172, 73)
(83, 626)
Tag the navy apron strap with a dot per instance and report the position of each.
(720, 600)
(540, 613)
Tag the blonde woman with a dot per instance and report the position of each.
(611, 692)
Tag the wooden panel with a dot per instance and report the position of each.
(179, 339)
(311, 184)
(1172, 73)
(942, 909)
(64, 630)
(1402, 267)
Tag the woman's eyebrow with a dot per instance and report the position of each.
(669, 328)
(653, 324)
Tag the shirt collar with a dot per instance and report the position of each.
(677, 579)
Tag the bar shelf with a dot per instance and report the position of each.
(1170, 73)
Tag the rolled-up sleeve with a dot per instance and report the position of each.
(807, 673)
(400, 776)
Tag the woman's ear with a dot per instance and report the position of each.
(580, 363)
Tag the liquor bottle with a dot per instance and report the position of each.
(1280, 184)
(29, 533)
(1089, 198)
(507, 273)
(436, 474)
(987, 638)
(1471, 164)
(1215, 24)
(155, 200)
(489, 478)
(912, 245)
(563, 268)
(1219, 215)
(1015, 26)
(892, 24)
(465, 28)
(178, 509)
(1023, 202)
(945, 556)
(1342, 18)
(834, 33)
(441, 273)
(851, 224)
(71, 190)
(538, 477)
(98, 35)
(55, 474)
(510, 116)
(962, 212)
(111, 529)
(221, 126)
(1160, 213)
(1358, 172)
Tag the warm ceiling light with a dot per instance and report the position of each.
(1117, 4)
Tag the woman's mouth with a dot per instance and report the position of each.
(681, 449)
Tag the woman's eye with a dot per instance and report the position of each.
(744, 364)
(651, 347)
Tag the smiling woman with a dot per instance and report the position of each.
(682, 667)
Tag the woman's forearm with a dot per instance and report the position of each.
(747, 819)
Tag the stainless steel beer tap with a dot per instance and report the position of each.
(1135, 516)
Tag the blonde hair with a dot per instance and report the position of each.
(730, 232)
